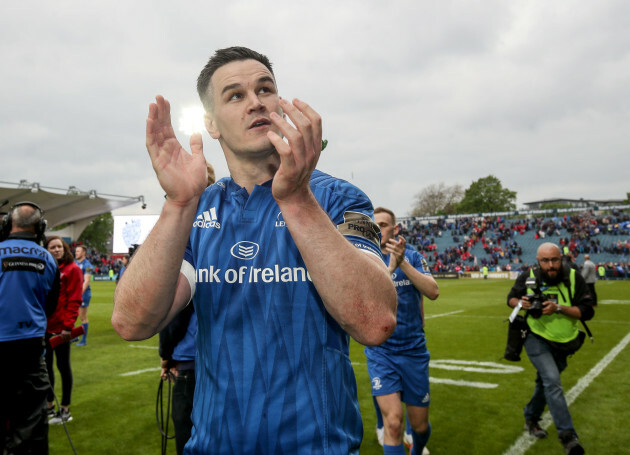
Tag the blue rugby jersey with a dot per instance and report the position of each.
(86, 267)
(409, 333)
(26, 277)
(273, 371)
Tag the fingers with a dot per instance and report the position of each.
(164, 110)
(196, 144)
(159, 127)
(305, 138)
(313, 117)
(277, 140)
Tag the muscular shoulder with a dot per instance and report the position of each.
(339, 187)
(336, 195)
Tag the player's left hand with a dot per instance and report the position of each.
(300, 155)
(396, 249)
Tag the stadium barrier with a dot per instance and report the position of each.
(479, 275)
(104, 277)
(447, 275)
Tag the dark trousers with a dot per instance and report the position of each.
(591, 287)
(62, 353)
(23, 419)
(183, 393)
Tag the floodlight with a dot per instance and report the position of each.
(191, 120)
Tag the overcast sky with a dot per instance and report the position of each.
(412, 93)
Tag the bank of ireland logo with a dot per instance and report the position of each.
(245, 250)
(376, 383)
(207, 219)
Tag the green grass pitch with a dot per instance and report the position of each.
(476, 396)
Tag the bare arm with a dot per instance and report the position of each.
(354, 286)
(152, 290)
(87, 277)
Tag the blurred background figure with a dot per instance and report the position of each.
(61, 322)
(80, 254)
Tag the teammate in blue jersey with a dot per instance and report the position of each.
(281, 261)
(80, 254)
(399, 367)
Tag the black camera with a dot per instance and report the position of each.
(536, 298)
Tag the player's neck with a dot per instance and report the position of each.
(249, 172)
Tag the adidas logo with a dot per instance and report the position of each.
(426, 398)
(207, 220)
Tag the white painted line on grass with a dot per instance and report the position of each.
(613, 302)
(526, 441)
(477, 385)
(142, 347)
(475, 367)
(146, 370)
(443, 314)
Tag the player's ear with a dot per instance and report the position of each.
(211, 126)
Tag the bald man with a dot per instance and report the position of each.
(553, 334)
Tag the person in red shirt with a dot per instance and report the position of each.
(61, 323)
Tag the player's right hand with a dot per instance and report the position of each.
(182, 175)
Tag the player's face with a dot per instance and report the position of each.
(550, 263)
(56, 249)
(388, 229)
(79, 254)
(244, 95)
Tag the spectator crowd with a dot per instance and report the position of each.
(469, 243)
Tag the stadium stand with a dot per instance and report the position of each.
(466, 243)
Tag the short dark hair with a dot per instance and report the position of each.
(384, 210)
(220, 58)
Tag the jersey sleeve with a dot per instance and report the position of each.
(418, 261)
(350, 210)
(360, 229)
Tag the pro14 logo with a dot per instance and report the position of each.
(207, 220)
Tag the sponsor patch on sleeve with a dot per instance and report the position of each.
(360, 225)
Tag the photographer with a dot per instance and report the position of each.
(556, 298)
(29, 288)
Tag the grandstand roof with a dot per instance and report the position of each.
(575, 202)
(63, 206)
